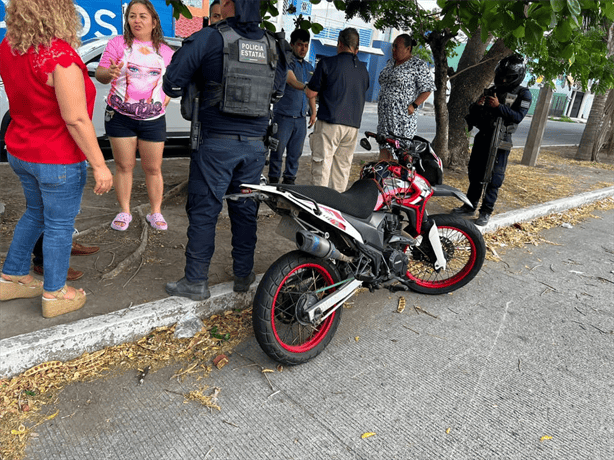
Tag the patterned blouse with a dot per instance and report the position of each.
(400, 86)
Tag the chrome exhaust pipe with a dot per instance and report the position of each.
(318, 247)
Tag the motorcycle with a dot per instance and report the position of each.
(377, 234)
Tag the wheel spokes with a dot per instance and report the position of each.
(290, 330)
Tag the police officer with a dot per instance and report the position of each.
(291, 111)
(237, 66)
(509, 74)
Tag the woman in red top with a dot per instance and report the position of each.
(50, 137)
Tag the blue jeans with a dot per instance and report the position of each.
(291, 133)
(53, 197)
(220, 166)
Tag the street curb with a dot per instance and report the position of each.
(532, 212)
(68, 341)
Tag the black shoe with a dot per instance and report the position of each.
(243, 284)
(273, 180)
(482, 219)
(464, 210)
(288, 181)
(198, 290)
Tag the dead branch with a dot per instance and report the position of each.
(90, 230)
(136, 254)
(177, 190)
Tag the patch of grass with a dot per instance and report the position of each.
(564, 118)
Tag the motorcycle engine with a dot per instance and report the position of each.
(396, 261)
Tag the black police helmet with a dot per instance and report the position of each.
(510, 72)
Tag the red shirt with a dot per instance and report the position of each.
(37, 132)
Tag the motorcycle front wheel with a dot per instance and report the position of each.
(464, 249)
(294, 281)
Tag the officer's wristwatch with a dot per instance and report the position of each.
(414, 105)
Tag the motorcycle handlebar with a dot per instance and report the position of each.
(379, 138)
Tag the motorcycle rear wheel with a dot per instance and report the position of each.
(282, 332)
(464, 250)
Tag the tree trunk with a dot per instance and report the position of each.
(437, 42)
(608, 147)
(538, 126)
(605, 130)
(589, 136)
(475, 72)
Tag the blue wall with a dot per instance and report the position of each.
(374, 62)
(377, 64)
(104, 17)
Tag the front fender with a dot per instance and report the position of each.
(447, 190)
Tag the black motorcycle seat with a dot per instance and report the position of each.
(358, 201)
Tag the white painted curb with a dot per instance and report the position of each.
(523, 215)
(68, 341)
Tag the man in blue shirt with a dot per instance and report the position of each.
(341, 81)
(291, 110)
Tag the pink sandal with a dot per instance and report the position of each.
(156, 221)
(122, 217)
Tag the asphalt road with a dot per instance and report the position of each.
(556, 132)
(519, 364)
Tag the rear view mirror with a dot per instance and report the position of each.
(365, 144)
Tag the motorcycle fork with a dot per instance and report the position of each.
(440, 261)
(432, 234)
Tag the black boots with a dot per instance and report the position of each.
(482, 219)
(243, 284)
(464, 210)
(198, 290)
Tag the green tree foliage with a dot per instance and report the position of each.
(559, 38)
(549, 33)
(179, 8)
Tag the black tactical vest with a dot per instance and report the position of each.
(248, 74)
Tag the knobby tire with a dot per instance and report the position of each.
(279, 330)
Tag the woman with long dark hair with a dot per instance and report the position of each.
(134, 64)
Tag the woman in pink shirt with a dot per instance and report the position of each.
(134, 64)
(48, 141)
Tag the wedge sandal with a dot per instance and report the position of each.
(59, 304)
(17, 289)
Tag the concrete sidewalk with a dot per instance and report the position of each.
(67, 341)
(517, 365)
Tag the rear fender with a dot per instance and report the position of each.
(323, 213)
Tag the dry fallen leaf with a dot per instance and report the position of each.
(401, 305)
(357, 338)
(448, 431)
(545, 438)
(366, 435)
(220, 361)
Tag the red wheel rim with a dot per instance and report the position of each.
(438, 280)
(313, 336)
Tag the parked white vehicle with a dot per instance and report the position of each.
(178, 129)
